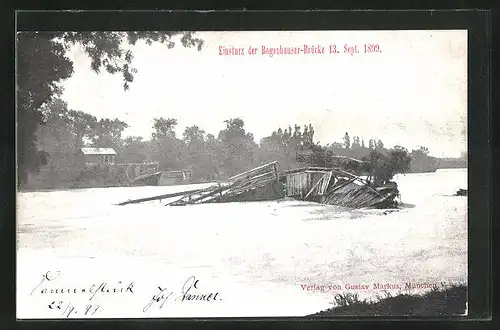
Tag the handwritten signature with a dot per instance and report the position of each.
(48, 286)
(190, 292)
(92, 290)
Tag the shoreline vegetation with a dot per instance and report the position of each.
(209, 158)
(28, 188)
(450, 301)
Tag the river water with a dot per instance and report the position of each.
(277, 258)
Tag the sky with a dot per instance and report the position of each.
(411, 93)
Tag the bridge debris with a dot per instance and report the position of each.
(261, 183)
(324, 185)
(335, 186)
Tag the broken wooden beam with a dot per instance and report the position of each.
(250, 173)
(204, 194)
(317, 184)
(159, 197)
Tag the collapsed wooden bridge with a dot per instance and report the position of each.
(318, 184)
(260, 183)
(336, 187)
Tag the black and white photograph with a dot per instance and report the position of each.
(241, 174)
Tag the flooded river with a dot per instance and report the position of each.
(277, 258)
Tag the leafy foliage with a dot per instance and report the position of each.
(42, 65)
(384, 165)
(237, 147)
(421, 161)
(135, 150)
(108, 133)
(164, 128)
(58, 141)
(83, 125)
(347, 141)
(166, 148)
(107, 49)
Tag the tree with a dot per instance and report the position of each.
(234, 129)
(385, 166)
(214, 152)
(320, 156)
(371, 144)
(84, 125)
(379, 145)
(59, 141)
(377, 162)
(108, 133)
(166, 148)
(336, 145)
(287, 135)
(347, 141)
(308, 136)
(296, 141)
(164, 128)
(273, 148)
(134, 150)
(355, 142)
(197, 156)
(193, 135)
(400, 160)
(424, 150)
(238, 147)
(421, 161)
(42, 65)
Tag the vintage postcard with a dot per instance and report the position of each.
(241, 174)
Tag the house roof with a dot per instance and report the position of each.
(98, 151)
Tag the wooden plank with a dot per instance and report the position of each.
(251, 184)
(341, 185)
(259, 184)
(253, 170)
(325, 184)
(201, 198)
(303, 169)
(297, 183)
(250, 179)
(193, 200)
(253, 181)
(148, 199)
(317, 184)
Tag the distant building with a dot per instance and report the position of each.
(98, 156)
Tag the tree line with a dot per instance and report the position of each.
(64, 132)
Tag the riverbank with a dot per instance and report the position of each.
(451, 301)
(73, 186)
